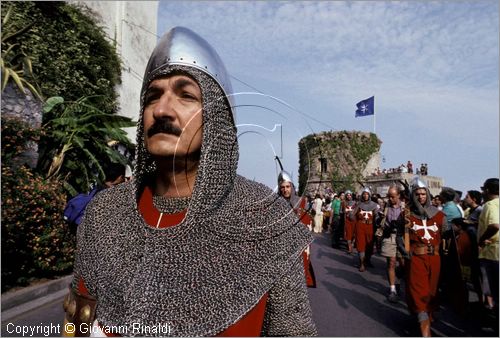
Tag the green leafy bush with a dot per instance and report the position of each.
(62, 51)
(35, 239)
(75, 142)
(14, 63)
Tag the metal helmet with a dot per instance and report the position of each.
(366, 189)
(348, 192)
(417, 183)
(181, 50)
(182, 46)
(284, 177)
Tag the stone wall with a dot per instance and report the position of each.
(27, 108)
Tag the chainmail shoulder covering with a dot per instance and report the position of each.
(367, 205)
(200, 279)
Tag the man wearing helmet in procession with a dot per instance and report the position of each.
(286, 190)
(348, 206)
(189, 248)
(424, 224)
(365, 215)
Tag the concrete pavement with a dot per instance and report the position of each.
(18, 302)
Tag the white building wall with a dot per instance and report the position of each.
(133, 25)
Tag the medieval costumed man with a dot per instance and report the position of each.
(424, 223)
(188, 247)
(365, 214)
(287, 191)
(348, 205)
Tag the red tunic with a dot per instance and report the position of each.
(424, 266)
(308, 268)
(364, 229)
(302, 214)
(349, 225)
(249, 325)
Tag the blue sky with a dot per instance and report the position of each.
(432, 67)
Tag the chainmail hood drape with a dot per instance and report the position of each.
(236, 242)
(368, 205)
(419, 210)
(422, 211)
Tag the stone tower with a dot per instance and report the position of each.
(336, 160)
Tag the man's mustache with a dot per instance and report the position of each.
(164, 126)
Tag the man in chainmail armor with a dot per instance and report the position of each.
(286, 189)
(348, 205)
(424, 224)
(366, 215)
(188, 247)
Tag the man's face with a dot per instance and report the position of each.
(365, 196)
(393, 195)
(421, 195)
(173, 117)
(342, 196)
(468, 200)
(348, 197)
(437, 201)
(286, 189)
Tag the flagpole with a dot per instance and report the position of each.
(374, 131)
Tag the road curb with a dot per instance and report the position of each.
(20, 301)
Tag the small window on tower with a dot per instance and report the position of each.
(323, 164)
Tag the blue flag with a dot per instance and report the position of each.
(366, 107)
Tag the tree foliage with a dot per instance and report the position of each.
(58, 50)
(69, 52)
(15, 64)
(77, 68)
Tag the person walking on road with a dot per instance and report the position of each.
(298, 205)
(349, 224)
(365, 215)
(189, 248)
(424, 224)
(488, 239)
(393, 219)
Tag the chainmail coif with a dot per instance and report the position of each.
(238, 241)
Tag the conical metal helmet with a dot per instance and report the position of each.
(182, 46)
(284, 177)
(348, 192)
(417, 183)
(366, 189)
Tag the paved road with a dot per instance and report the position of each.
(346, 303)
(45, 318)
